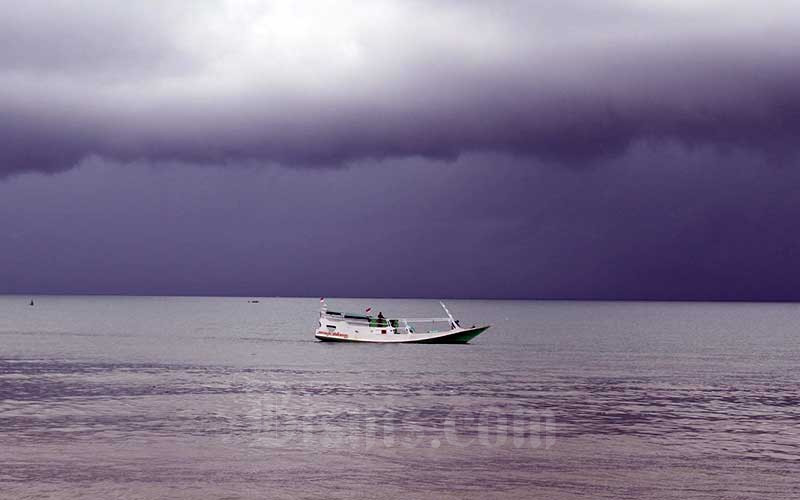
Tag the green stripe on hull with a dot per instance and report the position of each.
(456, 338)
(334, 339)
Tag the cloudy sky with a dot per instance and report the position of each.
(632, 149)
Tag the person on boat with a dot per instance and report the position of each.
(380, 315)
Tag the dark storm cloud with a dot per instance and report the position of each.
(329, 83)
(665, 222)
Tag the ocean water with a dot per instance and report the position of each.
(209, 398)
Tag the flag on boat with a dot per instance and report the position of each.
(368, 309)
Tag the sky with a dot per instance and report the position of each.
(580, 149)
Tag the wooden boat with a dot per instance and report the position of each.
(337, 326)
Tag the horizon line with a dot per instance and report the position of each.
(332, 297)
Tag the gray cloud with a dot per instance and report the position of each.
(103, 41)
(330, 83)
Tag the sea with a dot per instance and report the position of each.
(107, 397)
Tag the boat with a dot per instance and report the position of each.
(335, 326)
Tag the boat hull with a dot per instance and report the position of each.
(460, 336)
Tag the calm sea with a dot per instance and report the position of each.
(209, 398)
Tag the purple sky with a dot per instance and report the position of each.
(576, 149)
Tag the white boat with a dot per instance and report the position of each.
(337, 326)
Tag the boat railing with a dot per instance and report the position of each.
(422, 320)
(373, 321)
(357, 319)
(353, 319)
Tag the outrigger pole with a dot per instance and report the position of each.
(452, 320)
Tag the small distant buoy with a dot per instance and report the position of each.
(31, 301)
